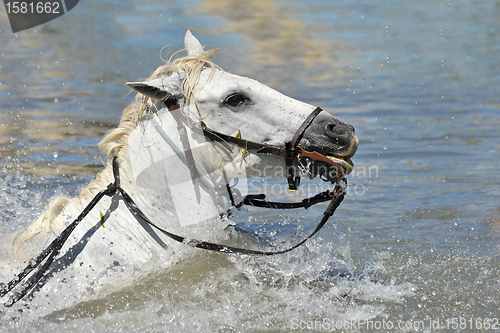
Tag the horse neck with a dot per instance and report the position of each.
(172, 176)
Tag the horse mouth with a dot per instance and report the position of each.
(329, 164)
(329, 167)
(345, 163)
(342, 159)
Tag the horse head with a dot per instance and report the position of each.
(192, 124)
(242, 107)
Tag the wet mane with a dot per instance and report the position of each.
(190, 65)
(115, 143)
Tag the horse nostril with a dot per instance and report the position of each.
(330, 127)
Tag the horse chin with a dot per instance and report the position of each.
(331, 173)
(346, 164)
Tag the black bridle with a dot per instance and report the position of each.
(290, 151)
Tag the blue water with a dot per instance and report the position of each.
(418, 236)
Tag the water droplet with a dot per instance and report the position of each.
(56, 100)
(55, 154)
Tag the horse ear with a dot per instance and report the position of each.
(161, 88)
(193, 46)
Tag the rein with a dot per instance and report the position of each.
(289, 151)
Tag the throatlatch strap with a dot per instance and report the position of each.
(184, 140)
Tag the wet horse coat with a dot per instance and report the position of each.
(111, 247)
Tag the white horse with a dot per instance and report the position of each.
(111, 247)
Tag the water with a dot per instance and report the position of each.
(416, 240)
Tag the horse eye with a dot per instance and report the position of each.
(235, 99)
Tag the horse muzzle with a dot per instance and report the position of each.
(343, 155)
(332, 138)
